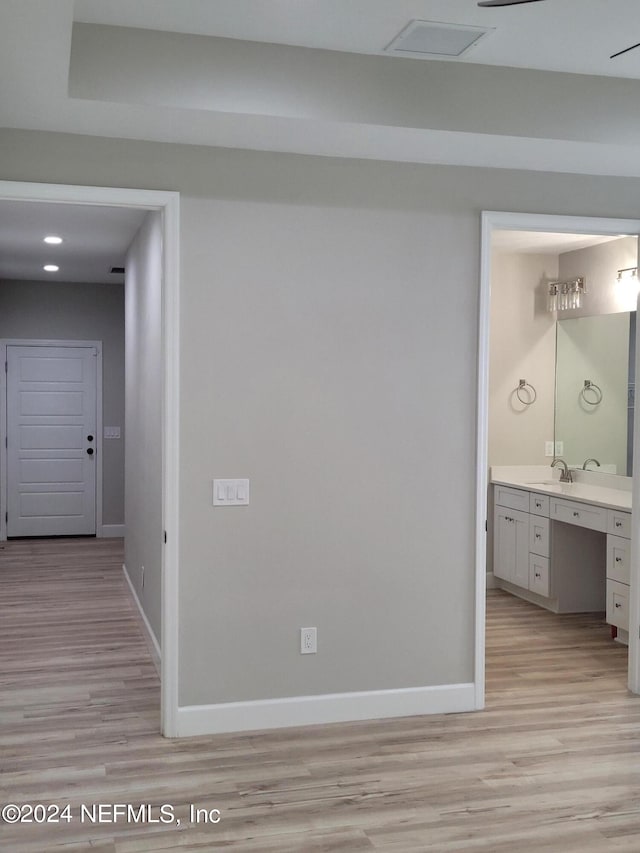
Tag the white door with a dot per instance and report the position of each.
(51, 441)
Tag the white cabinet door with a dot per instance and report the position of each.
(51, 432)
(511, 546)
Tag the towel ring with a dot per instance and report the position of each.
(591, 386)
(530, 391)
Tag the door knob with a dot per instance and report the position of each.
(89, 438)
(90, 451)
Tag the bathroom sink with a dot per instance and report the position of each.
(545, 483)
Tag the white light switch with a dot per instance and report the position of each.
(111, 432)
(230, 492)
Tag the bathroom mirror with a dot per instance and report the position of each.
(595, 382)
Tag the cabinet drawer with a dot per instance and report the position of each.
(539, 504)
(619, 522)
(618, 563)
(582, 515)
(511, 498)
(618, 605)
(539, 574)
(539, 535)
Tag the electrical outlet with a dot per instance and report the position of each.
(549, 448)
(559, 448)
(142, 575)
(308, 641)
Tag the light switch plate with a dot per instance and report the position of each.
(548, 448)
(559, 448)
(111, 432)
(231, 492)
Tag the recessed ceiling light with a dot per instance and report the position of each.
(53, 240)
(50, 268)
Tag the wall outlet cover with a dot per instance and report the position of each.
(308, 641)
(549, 448)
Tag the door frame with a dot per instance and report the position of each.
(490, 221)
(4, 462)
(168, 205)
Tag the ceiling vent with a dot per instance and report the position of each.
(117, 270)
(428, 39)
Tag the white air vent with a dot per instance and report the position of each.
(427, 38)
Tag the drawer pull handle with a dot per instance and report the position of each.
(538, 536)
(618, 524)
(618, 559)
(538, 575)
(576, 515)
(618, 605)
(538, 504)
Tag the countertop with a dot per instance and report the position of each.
(606, 490)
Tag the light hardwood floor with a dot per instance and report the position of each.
(552, 764)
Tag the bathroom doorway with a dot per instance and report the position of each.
(517, 425)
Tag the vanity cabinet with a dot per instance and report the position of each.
(618, 568)
(557, 566)
(521, 541)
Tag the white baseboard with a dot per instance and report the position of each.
(492, 581)
(329, 708)
(112, 531)
(152, 642)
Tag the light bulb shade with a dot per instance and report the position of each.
(566, 295)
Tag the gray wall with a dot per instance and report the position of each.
(71, 311)
(329, 337)
(143, 447)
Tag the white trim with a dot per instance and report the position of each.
(328, 708)
(634, 573)
(171, 464)
(113, 531)
(156, 654)
(169, 204)
(4, 484)
(492, 220)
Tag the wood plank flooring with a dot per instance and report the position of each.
(552, 764)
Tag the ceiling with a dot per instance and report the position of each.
(560, 35)
(95, 239)
(543, 242)
(312, 77)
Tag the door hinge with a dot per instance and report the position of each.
(6, 441)
(6, 367)
(165, 537)
(6, 517)
(486, 526)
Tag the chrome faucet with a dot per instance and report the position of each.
(565, 474)
(586, 462)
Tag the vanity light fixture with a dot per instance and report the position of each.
(52, 240)
(50, 268)
(566, 295)
(627, 273)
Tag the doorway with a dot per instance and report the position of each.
(491, 223)
(165, 206)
